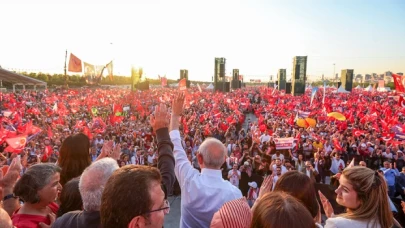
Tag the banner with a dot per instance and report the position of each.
(99, 70)
(284, 143)
(109, 67)
(89, 69)
(183, 84)
(255, 80)
(75, 64)
(90, 73)
(381, 83)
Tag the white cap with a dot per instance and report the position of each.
(252, 184)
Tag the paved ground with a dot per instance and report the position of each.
(172, 220)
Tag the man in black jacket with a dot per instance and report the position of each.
(160, 123)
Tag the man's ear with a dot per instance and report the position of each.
(137, 222)
(200, 158)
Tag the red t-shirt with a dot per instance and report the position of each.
(32, 221)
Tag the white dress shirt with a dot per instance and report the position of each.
(201, 194)
(334, 168)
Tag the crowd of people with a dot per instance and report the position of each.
(111, 158)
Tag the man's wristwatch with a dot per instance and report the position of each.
(9, 196)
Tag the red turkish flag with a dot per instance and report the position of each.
(75, 64)
(401, 102)
(18, 142)
(399, 83)
(337, 145)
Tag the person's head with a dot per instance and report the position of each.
(403, 170)
(337, 155)
(364, 193)
(233, 214)
(74, 157)
(39, 184)
(307, 164)
(278, 209)
(235, 166)
(386, 164)
(278, 171)
(278, 162)
(287, 163)
(133, 197)
(300, 157)
(362, 163)
(93, 180)
(305, 193)
(70, 199)
(211, 154)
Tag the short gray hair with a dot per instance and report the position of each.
(92, 181)
(34, 179)
(213, 152)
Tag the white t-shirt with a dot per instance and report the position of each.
(385, 155)
(234, 177)
(281, 156)
(264, 138)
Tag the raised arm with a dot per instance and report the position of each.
(183, 168)
(160, 124)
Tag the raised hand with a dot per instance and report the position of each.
(327, 206)
(267, 185)
(178, 104)
(161, 117)
(107, 148)
(10, 178)
(116, 152)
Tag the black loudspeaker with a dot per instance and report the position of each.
(188, 83)
(244, 85)
(298, 87)
(222, 70)
(143, 86)
(346, 77)
(339, 84)
(288, 87)
(297, 71)
(235, 74)
(219, 86)
(184, 74)
(235, 84)
(240, 84)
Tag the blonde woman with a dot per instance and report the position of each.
(364, 194)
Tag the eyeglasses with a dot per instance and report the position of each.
(165, 208)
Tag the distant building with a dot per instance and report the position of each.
(358, 78)
(367, 78)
